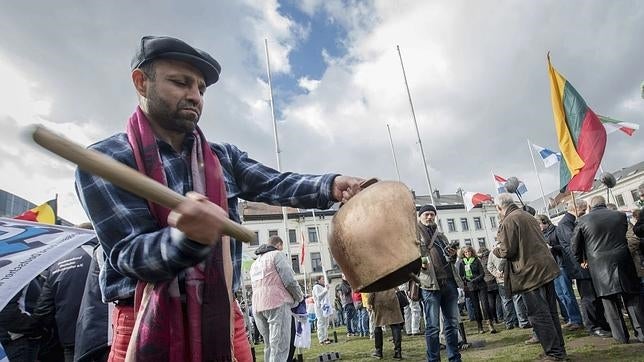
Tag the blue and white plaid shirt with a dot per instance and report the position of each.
(138, 249)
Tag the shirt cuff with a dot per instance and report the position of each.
(187, 247)
(326, 191)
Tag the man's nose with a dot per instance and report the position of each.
(194, 95)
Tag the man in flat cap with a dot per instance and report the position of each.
(182, 268)
(438, 288)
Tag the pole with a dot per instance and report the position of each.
(276, 139)
(420, 143)
(543, 195)
(317, 231)
(393, 152)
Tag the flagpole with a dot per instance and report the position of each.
(420, 143)
(317, 231)
(276, 138)
(543, 195)
(303, 264)
(393, 152)
(467, 212)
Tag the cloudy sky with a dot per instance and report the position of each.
(476, 70)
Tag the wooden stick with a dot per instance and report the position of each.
(125, 177)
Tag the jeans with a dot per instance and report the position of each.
(521, 310)
(435, 301)
(350, 318)
(363, 322)
(541, 304)
(412, 317)
(509, 313)
(563, 288)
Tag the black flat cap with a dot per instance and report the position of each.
(165, 47)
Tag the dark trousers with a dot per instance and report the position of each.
(396, 334)
(479, 304)
(492, 295)
(541, 304)
(350, 317)
(616, 320)
(592, 309)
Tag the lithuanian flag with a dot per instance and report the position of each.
(45, 213)
(581, 135)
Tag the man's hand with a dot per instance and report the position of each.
(198, 218)
(451, 251)
(345, 187)
(584, 265)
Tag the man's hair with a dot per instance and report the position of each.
(275, 241)
(578, 205)
(544, 219)
(149, 70)
(597, 200)
(320, 277)
(611, 206)
(504, 200)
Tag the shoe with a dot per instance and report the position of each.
(532, 340)
(573, 327)
(377, 354)
(491, 327)
(545, 357)
(397, 355)
(601, 333)
(509, 327)
(526, 326)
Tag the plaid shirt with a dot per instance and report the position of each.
(138, 249)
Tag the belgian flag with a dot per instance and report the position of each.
(45, 213)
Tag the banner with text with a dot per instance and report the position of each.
(28, 248)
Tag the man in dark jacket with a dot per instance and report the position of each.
(599, 244)
(61, 295)
(592, 308)
(563, 284)
(530, 270)
(345, 292)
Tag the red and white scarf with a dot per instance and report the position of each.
(163, 332)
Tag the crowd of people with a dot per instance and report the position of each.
(161, 284)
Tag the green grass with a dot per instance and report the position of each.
(504, 346)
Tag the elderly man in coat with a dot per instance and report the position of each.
(599, 244)
(530, 270)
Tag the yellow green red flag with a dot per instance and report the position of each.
(44, 213)
(580, 133)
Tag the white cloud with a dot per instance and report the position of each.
(308, 84)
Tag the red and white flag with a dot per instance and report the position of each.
(472, 199)
(303, 251)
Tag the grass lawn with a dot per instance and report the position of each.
(503, 346)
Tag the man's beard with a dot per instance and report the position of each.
(169, 118)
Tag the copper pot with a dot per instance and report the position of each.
(373, 237)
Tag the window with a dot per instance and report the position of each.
(468, 242)
(295, 263)
(272, 233)
(313, 235)
(477, 223)
(464, 225)
(481, 242)
(451, 226)
(255, 241)
(620, 200)
(292, 236)
(316, 262)
(635, 195)
(493, 221)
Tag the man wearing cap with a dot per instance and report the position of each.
(438, 288)
(182, 268)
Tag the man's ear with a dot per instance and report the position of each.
(139, 79)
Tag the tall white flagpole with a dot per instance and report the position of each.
(393, 152)
(543, 195)
(277, 142)
(420, 143)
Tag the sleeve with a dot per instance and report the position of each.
(491, 266)
(134, 243)
(287, 275)
(578, 244)
(319, 292)
(638, 228)
(261, 183)
(14, 320)
(45, 310)
(508, 247)
(481, 274)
